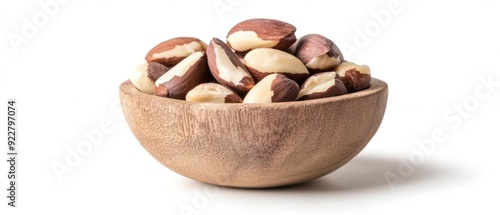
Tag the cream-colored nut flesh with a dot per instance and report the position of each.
(182, 50)
(318, 53)
(268, 60)
(318, 83)
(273, 88)
(227, 70)
(246, 40)
(346, 66)
(323, 61)
(261, 92)
(355, 77)
(180, 69)
(261, 33)
(211, 93)
(140, 80)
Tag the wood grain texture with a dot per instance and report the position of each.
(255, 145)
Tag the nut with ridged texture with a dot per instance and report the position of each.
(173, 51)
(273, 88)
(183, 77)
(265, 61)
(212, 93)
(261, 33)
(156, 70)
(355, 77)
(145, 75)
(227, 68)
(322, 85)
(318, 53)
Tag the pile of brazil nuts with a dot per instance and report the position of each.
(261, 62)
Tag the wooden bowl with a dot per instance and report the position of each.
(255, 145)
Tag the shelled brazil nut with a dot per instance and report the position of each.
(227, 68)
(261, 62)
(183, 77)
(318, 53)
(261, 33)
(355, 77)
(145, 75)
(173, 51)
(322, 85)
(212, 93)
(265, 61)
(273, 88)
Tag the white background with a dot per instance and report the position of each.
(65, 77)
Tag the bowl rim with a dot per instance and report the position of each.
(376, 86)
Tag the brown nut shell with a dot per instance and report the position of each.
(322, 85)
(273, 88)
(173, 51)
(227, 68)
(156, 70)
(140, 79)
(355, 77)
(261, 33)
(183, 77)
(318, 53)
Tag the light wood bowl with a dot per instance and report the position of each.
(255, 145)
